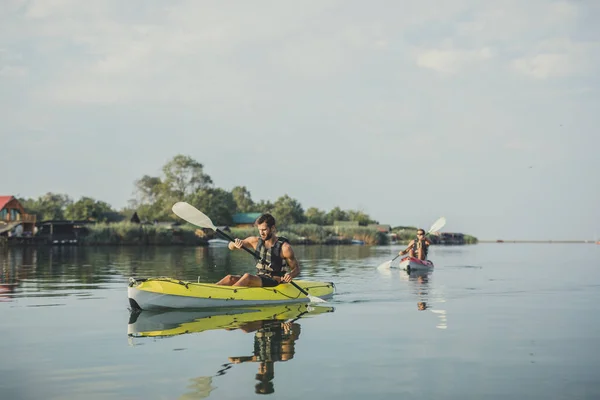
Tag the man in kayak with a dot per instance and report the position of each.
(418, 247)
(276, 262)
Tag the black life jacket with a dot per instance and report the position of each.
(269, 261)
(421, 244)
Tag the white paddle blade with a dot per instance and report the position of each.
(192, 215)
(437, 225)
(385, 265)
(315, 299)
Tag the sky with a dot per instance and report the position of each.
(486, 113)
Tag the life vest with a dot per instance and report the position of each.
(420, 244)
(269, 261)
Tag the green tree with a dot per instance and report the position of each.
(243, 199)
(337, 214)
(155, 196)
(50, 206)
(87, 208)
(288, 211)
(148, 190)
(184, 176)
(262, 206)
(218, 204)
(160, 211)
(151, 199)
(361, 217)
(315, 216)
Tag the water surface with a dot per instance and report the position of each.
(492, 321)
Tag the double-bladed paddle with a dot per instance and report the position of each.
(196, 217)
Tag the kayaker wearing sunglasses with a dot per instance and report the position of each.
(418, 247)
(276, 261)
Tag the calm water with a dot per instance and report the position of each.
(492, 321)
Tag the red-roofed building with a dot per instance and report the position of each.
(13, 214)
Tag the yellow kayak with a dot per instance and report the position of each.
(169, 293)
(172, 323)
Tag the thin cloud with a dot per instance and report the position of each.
(452, 61)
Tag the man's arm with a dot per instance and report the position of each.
(288, 254)
(410, 246)
(250, 243)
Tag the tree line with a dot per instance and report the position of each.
(184, 179)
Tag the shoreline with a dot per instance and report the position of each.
(132, 234)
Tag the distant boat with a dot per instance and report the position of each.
(356, 241)
(218, 242)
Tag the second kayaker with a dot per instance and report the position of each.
(276, 261)
(417, 248)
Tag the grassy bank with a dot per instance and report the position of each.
(127, 233)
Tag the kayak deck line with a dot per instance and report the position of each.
(164, 292)
(234, 289)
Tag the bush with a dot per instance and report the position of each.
(129, 233)
(470, 239)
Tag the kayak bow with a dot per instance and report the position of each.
(414, 264)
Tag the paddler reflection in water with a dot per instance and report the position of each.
(418, 247)
(274, 341)
(276, 263)
(422, 281)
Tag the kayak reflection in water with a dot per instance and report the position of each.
(274, 327)
(273, 341)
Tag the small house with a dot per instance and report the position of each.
(245, 220)
(380, 228)
(13, 215)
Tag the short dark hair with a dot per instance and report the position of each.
(268, 218)
(421, 230)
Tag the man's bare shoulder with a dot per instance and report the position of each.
(286, 249)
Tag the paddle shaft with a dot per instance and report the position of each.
(304, 292)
